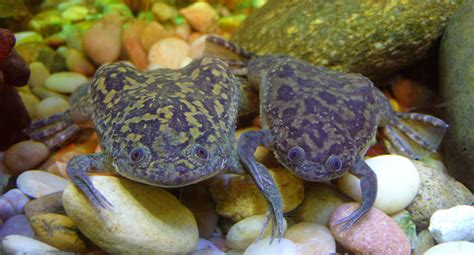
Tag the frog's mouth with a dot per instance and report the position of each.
(315, 174)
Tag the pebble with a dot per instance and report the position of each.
(282, 247)
(132, 45)
(6, 209)
(311, 238)
(201, 16)
(199, 201)
(25, 155)
(30, 102)
(237, 197)
(52, 203)
(197, 47)
(243, 233)
(102, 42)
(16, 225)
(65, 82)
(453, 224)
(152, 33)
(375, 233)
(38, 74)
(405, 222)
(163, 11)
(448, 248)
(59, 231)
(17, 199)
(144, 218)
(38, 183)
(168, 52)
(320, 201)
(425, 242)
(75, 13)
(78, 63)
(183, 31)
(437, 191)
(18, 244)
(50, 106)
(205, 247)
(397, 182)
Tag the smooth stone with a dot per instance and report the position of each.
(143, 220)
(75, 13)
(405, 222)
(25, 156)
(38, 74)
(201, 16)
(243, 233)
(38, 183)
(456, 84)
(206, 247)
(425, 242)
(17, 199)
(320, 201)
(16, 225)
(311, 238)
(374, 234)
(30, 102)
(101, 41)
(18, 244)
(50, 106)
(282, 247)
(6, 209)
(132, 45)
(65, 82)
(238, 197)
(52, 203)
(196, 48)
(351, 36)
(448, 248)
(163, 11)
(437, 191)
(58, 231)
(397, 182)
(168, 52)
(152, 33)
(78, 63)
(198, 200)
(453, 224)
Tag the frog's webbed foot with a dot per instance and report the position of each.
(77, 169)
(247, 145)
(54, 130)
(368, 185)
(415, 134)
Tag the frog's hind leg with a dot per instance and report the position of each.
(414, 134)
(247, 145)
(54, 130)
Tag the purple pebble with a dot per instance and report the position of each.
(17, 225)
(17, 198)
(6, 209)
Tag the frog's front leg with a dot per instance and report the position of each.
(77, 170)
(368, 186)
(247, 145)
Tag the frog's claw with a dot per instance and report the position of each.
(368, 185)
(77, 169)
(54, 130)
(247, 145)
(414, 134)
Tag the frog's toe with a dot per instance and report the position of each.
(38, 124)
(276, 228)
(42, 134)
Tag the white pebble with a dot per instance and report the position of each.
(50, 106)
(452, 248)
(65, 82)
(245, 232)
(282, 247)
(24, 245)
(37, 183)
(397, 182)
(453, 224)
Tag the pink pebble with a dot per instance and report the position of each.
(376, 233)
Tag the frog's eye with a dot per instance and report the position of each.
(334, 163)
(296, 154)
(200, 152)
(137, 154)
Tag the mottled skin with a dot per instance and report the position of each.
(166, 128)
(320, 122)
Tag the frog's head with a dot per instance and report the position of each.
(314, 154)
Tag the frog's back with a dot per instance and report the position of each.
(168, 112)
(323, 106)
